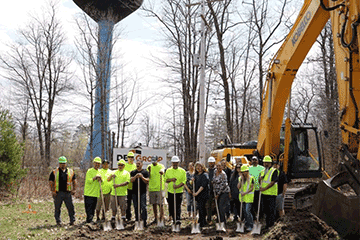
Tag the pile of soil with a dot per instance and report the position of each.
(295, 225)
(301, 225)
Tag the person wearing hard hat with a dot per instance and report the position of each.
(269, 189)
(92, 189)
(122, 180)
(246, 195)
(129, 166)
(210, 203)
(63, 185)
(176, 179)
(255, 170)
(156, 180)
(105, 172)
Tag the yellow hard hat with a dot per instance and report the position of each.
(97, 160)
(130, 154)
(244, 168)
(267, 158)
(122, 161)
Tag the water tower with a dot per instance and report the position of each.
(106, 13)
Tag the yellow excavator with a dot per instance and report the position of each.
(300, 152)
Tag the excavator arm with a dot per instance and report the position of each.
(330, 203)
(283, 68)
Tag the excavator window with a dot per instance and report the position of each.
(304, 157)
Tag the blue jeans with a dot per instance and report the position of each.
(189, 202)
(249, 221)
(143, 211)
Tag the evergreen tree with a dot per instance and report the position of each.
(11, 152)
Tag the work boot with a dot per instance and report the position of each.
(59, 224)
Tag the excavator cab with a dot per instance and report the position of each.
(305, 160)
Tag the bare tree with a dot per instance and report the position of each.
(128, 104)
(222, 24)
(180, 29)
(147, 129)
(38, 68)
(266, 22)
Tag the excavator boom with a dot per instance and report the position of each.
(339, 210)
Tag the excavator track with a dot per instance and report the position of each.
(299, 195)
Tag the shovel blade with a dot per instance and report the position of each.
(240, 227)
(161, 224)
(256, 229)
(107, 226)
(222, 227)
(119, 225)
(195, 228)
(139, 226)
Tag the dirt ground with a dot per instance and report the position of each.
(295, 225)
(301, 225)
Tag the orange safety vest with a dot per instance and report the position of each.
(70, 175)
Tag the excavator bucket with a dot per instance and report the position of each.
(338, 210)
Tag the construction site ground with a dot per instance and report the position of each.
(35, 220)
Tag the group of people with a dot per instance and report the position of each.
(216, 185)
(230, 189)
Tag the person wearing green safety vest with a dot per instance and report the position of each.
(268, 189)
(63, 185)
(176, 179)
(156, 173)
(246, 195)
(105, 172)
(255, 170)
(129, 166)
(122, 179)
(92, 189)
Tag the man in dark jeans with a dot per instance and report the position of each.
(63, 185)
(141, 176)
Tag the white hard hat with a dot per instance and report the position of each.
(175, 159)
(211, 159)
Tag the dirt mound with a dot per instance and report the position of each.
(301, 225)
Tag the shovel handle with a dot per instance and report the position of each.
(258, 212)
(138, 187)
(102, 199)
(194, 200)
(217, 208)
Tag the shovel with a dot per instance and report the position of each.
(161, 222)
(106, 225)
(196, 226)
(257, 225)
(139, 225)
(175, 227)
(118, 223)
(240, 224)
(220, 226)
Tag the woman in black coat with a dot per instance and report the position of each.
(201, 192)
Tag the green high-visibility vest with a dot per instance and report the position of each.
(248, 198)
(70, 175)
(267, 180)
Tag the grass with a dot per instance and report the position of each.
(17, 223)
